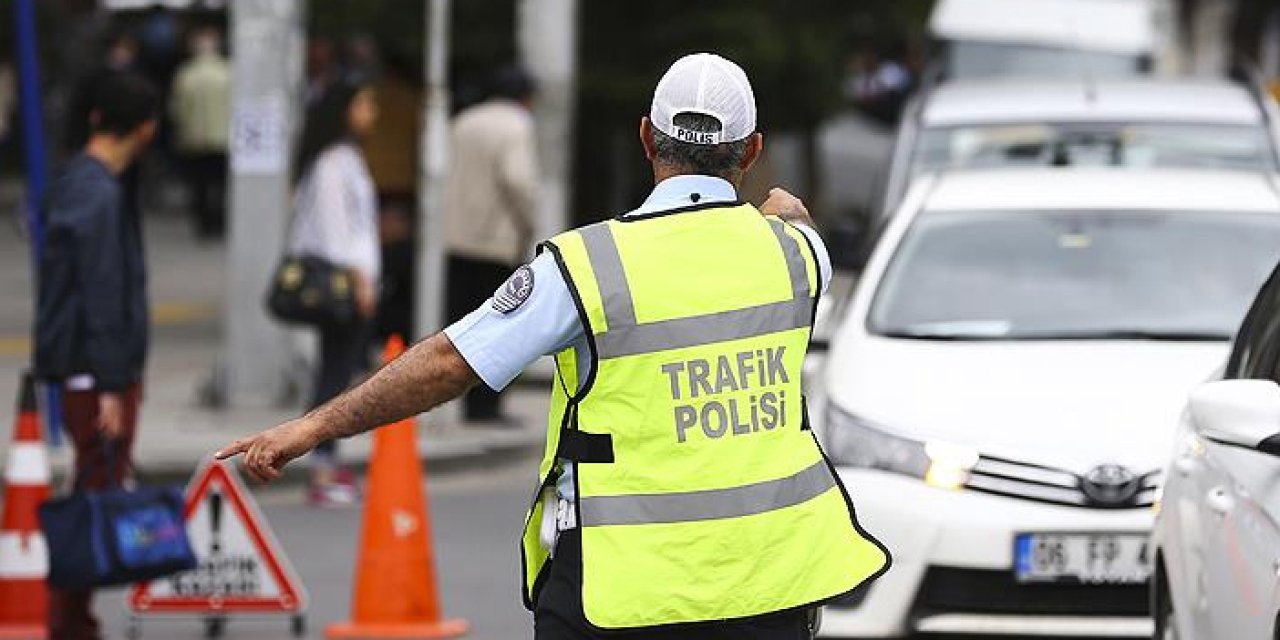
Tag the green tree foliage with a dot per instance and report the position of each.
(791, 55)
(482, 32)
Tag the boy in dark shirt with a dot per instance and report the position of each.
(92, 322)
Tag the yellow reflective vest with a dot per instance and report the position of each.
(702, 493)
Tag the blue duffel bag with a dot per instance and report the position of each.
(115, 536)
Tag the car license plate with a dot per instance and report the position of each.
(1089, 558)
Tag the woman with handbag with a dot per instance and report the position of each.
(335, 230)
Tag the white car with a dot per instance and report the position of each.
(1217, 535)
(1139, 123)
(998, 396)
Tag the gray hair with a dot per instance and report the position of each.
(721, 160)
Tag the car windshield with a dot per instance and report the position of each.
(974, 59)
(981, 275)
(1125, 145)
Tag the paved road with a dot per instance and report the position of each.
(477, 516)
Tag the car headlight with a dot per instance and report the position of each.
(855, 442)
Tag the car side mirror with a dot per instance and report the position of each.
(1244, 413)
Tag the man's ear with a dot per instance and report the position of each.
(755, 147)
(646, 139)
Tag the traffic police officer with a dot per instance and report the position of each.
(682, 494)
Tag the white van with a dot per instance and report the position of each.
(1051, 38)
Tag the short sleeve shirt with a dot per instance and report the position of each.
(533, 314)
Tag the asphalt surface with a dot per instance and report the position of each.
(476, 515)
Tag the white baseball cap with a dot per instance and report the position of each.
(708, 84)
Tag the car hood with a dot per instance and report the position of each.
(1066, 404)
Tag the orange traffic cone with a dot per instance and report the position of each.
(24, 559)
(395, 594)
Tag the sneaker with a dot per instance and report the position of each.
(347, 478)
(332, 496)
(339, 491)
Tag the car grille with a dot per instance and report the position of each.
(1015, 479)
(951, 590)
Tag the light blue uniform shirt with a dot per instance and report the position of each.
(498, 346)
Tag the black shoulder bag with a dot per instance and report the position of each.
(310, 290)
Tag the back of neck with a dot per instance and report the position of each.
(112, 152)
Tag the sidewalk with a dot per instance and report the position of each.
(176, 432)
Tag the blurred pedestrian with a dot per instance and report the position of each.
(681, 492)
(393, 158)
(361, 60)
(200, 107)
(322, 70)
(491, 203)
(394, 167)
(878, 82)
(395, 299)
(91, 327)
(159, 45)
(336, 218)
(119, 54)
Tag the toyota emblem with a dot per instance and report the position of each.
(1110, 485)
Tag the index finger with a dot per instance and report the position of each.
(235, 448)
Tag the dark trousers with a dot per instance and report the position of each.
(342, 356)
(71, 612)
(207, 176)
(471, 282)
(558, 614)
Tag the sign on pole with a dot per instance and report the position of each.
(259, 136)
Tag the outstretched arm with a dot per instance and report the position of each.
(429, 374)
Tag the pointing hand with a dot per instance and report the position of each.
(266, 454)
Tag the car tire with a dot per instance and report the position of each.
(1166, 627)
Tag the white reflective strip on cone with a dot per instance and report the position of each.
(28, 465)
(23, 555)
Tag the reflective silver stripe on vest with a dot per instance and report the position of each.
(722, 326)
(625, 336)
(712, 504)
(602, 250)
(795, 262)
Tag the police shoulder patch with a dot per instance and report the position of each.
(515, 291)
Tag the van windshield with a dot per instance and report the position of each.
(975, 59)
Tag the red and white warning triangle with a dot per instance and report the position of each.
(240, 565)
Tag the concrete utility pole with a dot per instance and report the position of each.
(547, 35)
(267, 41)
(434, 147)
